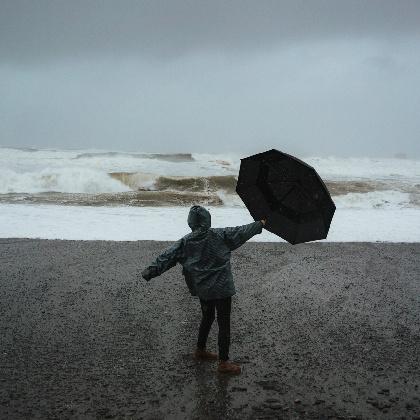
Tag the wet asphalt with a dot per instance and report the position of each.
(324, 330)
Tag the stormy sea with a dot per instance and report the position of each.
(115, 195)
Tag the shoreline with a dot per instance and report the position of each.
(321, 330)
(170, 223)
(320, 242)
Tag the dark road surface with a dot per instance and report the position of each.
(321, 331)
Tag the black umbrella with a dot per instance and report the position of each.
(288, 193)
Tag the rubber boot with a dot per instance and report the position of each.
(203, 354)
(228, 367)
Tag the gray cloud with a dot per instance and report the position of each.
(311, 77)
(38, 30)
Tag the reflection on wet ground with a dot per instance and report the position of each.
(211, 396)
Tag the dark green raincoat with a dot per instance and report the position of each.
(204, 255)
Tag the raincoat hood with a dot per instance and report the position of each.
(199, 217)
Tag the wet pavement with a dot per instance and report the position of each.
(321, 330)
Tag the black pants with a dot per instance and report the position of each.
(223, 307)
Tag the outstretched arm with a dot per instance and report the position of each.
(236, 236)
(164, 261)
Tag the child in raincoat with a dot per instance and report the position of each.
(205, 255)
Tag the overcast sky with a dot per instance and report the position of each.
(314, 77)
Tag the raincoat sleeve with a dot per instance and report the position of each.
(164, 261)
(236, 236)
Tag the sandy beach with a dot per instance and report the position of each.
(325, 330)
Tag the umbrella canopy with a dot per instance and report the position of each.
(288, 193)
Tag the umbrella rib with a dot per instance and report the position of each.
(274, 169)
(286, 194)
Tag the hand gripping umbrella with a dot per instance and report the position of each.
(288, 193)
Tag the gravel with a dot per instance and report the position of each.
(323, 330)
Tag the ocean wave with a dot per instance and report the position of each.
(66, 180)
(95, 177)
(337, 188)
(227, 184)
(146, 181)
(386, 199)
(131, 198)
(22, 149)
(369, 200)
(82, 186)
(170, 157)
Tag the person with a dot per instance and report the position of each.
(204, 254)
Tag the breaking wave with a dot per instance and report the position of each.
(92, 177)
(141, 181)
(65, 180)
(170, 157)
(91, 187)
